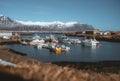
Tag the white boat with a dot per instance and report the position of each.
(75, 41)
(51, 45)
(90, 42)
(52, 38)
(37, 41)
(65, 39)
(65, 48)
(38, 46)
(41, 45)
(24, 42)
(55, 48)
(36, 37)
(58, 48)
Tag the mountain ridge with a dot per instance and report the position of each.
(7, 23)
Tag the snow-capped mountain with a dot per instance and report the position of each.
(8, 23)
(59, 23)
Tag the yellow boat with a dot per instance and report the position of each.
(57, 50)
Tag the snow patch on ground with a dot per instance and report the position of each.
(6, 63)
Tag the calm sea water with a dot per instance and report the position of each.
(106, 51)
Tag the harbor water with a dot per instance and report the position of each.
(106, 51)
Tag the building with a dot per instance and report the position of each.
(104, 33)
(9, 35)
(78, 32)
(5, 35)
(15, 36)
(92, 32)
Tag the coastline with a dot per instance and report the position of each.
(72, 71)
(109, 38)
(102, 66)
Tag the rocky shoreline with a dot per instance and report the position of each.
(28, 69)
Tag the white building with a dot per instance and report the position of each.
(5, 35)
(104, 33)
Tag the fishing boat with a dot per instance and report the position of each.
(41, 45)
(65, 48)
(75, 41)
(24, 42)
(52, 38)
(37, 40)
(56, 49)
(36, 37)
(65, 39)
(90, 42)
